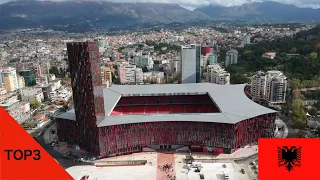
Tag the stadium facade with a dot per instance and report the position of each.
(124, 119)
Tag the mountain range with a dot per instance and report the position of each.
(267, 10)
(32, 13)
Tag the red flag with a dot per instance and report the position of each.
(21, 157)
(288, 159)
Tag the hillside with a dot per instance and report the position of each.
(88, 14)
(25, 14)
(267, 10)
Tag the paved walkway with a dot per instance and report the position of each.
(162, 160)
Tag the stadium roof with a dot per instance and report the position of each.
(234, 105)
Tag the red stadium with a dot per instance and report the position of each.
(125, 119)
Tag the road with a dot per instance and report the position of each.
(63, 161)
(291, 132)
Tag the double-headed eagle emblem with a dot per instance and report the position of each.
(289, 157)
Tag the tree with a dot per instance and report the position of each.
(65, 105)
(238, 79)
(295, 83)
(120, 49)
(293, 50)
(313, 111)
(35, 104)
(145, 69)
(298, 113)
(54, 70)
(317, 105)
(313, 56)
(113, 76)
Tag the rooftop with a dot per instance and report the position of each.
(234, 105)
(31, 91)
(9, 103)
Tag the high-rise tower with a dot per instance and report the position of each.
(87, 91)
(190, 64)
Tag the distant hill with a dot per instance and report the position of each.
(267, 10)
(30, 13)
(83, 14)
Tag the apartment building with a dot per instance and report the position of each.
(139, 75)
(270, 86)
(231, 57)
(32, 94)
(21, 82)
(42, 80)
(106, 75)
(143, 61)
(212, 58)
(29, 77)
(217, 75)
(8, 82)
(16, 108)
(8, 79)
(129, 74)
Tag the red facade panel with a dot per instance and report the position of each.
(205, 50)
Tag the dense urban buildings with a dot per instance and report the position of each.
(137, 58)
(125, 119)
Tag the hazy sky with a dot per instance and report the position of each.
(191, 4)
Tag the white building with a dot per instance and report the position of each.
(129, 74)
(56, 96)
(16, 108)
(143, 61)
(32, 94)
(56, 84)
(53, 96)
(12, 73)
(42, 80)
(51, 77)
(177, 66)
(217, 75)
(246, 40)
(270, 86)
(154, 76)
(231, 57)
(139, 75)
(191, 64)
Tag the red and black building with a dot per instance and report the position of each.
(124, 119)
